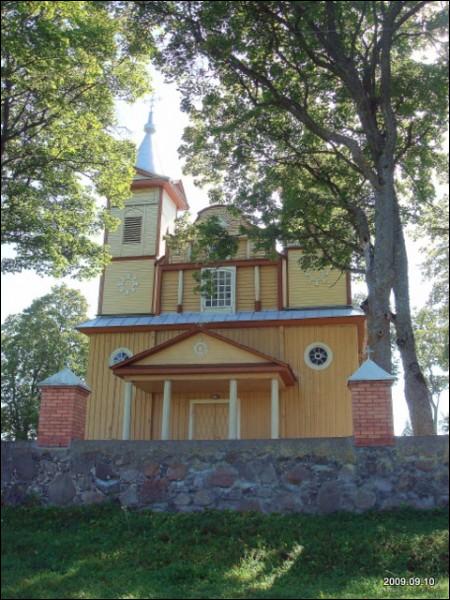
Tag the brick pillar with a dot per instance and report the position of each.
(373, 423)
(372, 413)
(62, 414)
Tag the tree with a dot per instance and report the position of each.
(63, 65)
(431, 321)
(434, 228)
(323, 115)
(37, 343)
(432, 351)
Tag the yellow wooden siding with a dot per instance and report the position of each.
(142, 414)
(105, 404)
(314, 288)
(245, 288)
(145, 204)
(212, 351)
(242, 250)
(255, 414)
(234, 222)
(264, 339)
(269, 287)
(254, 410)
(319, 405)
(135, 273)
(246, 250)
(209, 420)
(191, 298)
(181, 254)
(169, 291)
(168, 216)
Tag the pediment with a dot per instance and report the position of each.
(200, 352)
(199, 347)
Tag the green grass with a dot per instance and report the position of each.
(105, 552)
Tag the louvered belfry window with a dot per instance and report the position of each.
(132, 230)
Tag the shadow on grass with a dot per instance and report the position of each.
(103, 552)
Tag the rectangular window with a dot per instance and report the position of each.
(132, 230)
(222, 284)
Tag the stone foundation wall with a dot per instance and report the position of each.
(310, 475)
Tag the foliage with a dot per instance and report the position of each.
(37, 343)
(208, 242)
(63, 65)
(324, 122)
(434, 227)
(105, 552)
(275, 114)
(431, 321)
(432, 351)
(444, 424)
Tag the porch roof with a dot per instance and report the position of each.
(209, 318)
(202, 354)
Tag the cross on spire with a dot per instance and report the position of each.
(369, 351)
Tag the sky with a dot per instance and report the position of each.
(19, 290)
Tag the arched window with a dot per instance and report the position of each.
(119, 355)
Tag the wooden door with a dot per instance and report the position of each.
(210, 421)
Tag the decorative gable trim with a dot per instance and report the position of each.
(129, 366)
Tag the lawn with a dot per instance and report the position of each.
(106, 552)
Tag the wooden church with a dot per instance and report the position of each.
(266, 353)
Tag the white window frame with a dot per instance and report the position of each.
(213, 401)
(232, 307)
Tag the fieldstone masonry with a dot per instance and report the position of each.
(309, 475)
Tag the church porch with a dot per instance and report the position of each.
(201, 385)
(240, 405)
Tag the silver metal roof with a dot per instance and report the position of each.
(210, 317)
(370, 371)
(65, 377)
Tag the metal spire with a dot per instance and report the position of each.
(146, 159)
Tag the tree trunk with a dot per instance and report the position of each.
(380, 271)
(378, 324)
(417, 394)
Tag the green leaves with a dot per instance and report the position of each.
(63, 65)
(207, 241)
(38, 343)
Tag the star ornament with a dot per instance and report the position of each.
(127, 284)
(317, 277)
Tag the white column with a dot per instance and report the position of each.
(127, 398)
(180, 288)
(165, 429)
(257, 284)
(232, 411)
(275, 411)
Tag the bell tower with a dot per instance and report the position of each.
(128, 282)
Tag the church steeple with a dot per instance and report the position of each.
(146, 158)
